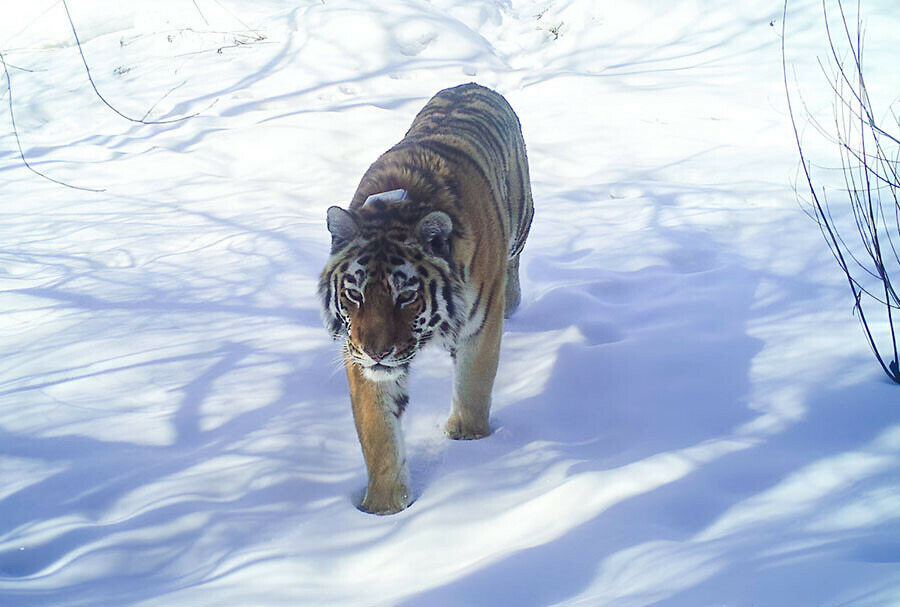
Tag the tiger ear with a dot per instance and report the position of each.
(434, 233)
(342, 227)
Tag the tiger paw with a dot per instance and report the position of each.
(456, 429)
(386, 500)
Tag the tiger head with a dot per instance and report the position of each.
(389, 286)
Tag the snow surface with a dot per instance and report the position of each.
(686, 412)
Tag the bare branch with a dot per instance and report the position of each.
(87, 69)
(870, 180)
(12, 119)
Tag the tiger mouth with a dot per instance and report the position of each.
(396, 362)
(380, 372)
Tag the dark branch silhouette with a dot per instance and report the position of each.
(871, 187)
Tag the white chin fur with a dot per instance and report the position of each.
(382, 373)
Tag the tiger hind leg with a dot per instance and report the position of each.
(512, 288)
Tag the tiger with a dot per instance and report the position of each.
(428, 252)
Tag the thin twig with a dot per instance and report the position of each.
(239, 20)
(219, 49)
(102, 98)
(23, 69)
(172, 90)
(866, 171)
(12, 119)
(201, 13)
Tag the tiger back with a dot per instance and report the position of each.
(428, 251)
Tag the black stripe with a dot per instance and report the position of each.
(495, 122)
(475, 305)
(448, 151)
(482, 135)
(432, 290)
(452, 185)
(509, 200)
(401, 401)
(500, 219)
(328, 296)
(486, 124)
(447, 293)
(523, 210)
(487, 310)
(336, 292)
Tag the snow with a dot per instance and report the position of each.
(686, 412)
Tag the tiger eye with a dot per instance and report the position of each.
(407, 297)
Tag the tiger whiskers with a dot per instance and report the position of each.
(339, 360)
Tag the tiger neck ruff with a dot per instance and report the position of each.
(428, 252)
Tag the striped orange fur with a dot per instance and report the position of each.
(428, 251)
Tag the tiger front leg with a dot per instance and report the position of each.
(377, 407)
(475, 366)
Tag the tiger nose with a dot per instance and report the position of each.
(377, 356)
